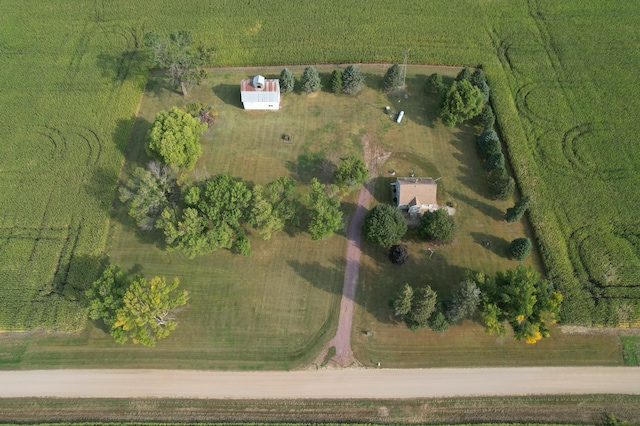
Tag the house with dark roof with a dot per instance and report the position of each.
(416, 195)
(260, 93)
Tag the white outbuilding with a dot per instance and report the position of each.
(260, 93)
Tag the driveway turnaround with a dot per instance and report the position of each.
(320, 384)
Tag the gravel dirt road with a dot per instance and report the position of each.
(319, 384)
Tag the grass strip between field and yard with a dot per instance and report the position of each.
(583, 409)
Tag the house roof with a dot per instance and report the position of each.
(416, 191)
(269, 93)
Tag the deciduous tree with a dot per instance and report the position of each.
(310, 80)
(392, 79)
(351, 172)
(464, 302)
(523, 299)
(326, 217)
(174, 138)
(181, 56)
(134, 308)
(384, 225)
(352, 80)
(146, 314)
(147, 193)
(437, 226)
(287, 81)
(461, 102)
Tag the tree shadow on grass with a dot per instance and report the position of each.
(474, 176)
(229, 94)
(129, 136)
(496, 245)
(312, 165)
(485, 208)
(320, 276)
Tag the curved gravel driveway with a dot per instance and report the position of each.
(331, 383)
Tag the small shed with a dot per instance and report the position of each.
(260, 93)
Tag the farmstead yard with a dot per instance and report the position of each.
(73, 75)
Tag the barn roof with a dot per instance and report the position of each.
(269, 93)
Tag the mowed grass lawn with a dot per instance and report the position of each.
(429, 149)
(278, 308)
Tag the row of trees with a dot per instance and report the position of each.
(385, 225)
(501, 184)
(519, 297)
(198, 218)
(349, 81)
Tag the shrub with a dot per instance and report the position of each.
(287, 81)
(398, 254)
(352, 80)
(384, 225)
(437, 226)
(336, 81)
(520, 248)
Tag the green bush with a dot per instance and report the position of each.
(384, 225)
(501, 185)
(437, 226)
(434, 84)
(486, 119)
(520, 248)
(287, 81)
(352, 80)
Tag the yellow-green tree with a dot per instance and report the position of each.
(523, 299)
(133, 307)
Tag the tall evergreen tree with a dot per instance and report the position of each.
(464, 74)
(287, 81)
(336, 81)
(352, 80)
(516, 212)
(310, 80)
(392, 79)
(478, 77)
